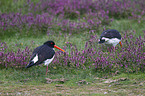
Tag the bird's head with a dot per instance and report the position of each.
(102, 40)
(52, 45)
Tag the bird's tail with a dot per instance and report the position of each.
(30, 64)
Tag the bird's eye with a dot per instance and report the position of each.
(51, 43)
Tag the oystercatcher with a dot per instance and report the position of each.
(43, 54)
(110, 36)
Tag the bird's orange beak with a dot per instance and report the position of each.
(58, 48)
(120, 44)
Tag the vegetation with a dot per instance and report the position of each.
(86, 68)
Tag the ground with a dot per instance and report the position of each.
(120, 85)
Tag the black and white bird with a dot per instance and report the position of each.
(43, 54)
(110, 36)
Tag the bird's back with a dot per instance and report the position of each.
(111, 33)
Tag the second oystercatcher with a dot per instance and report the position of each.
(43, 54)
(110, 36)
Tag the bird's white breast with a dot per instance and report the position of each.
(46, 62)
(113, 41)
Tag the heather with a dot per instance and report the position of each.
(17, 59)
(68, 16)
(130, 58)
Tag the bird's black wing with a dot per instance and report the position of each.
(35, 52)
(43, 52)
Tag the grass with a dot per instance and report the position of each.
(32, 81)
(126, 25)
(13, 5)
(22, 40)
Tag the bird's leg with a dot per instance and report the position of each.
(46, 70)
(114, 49)
(108, 49)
